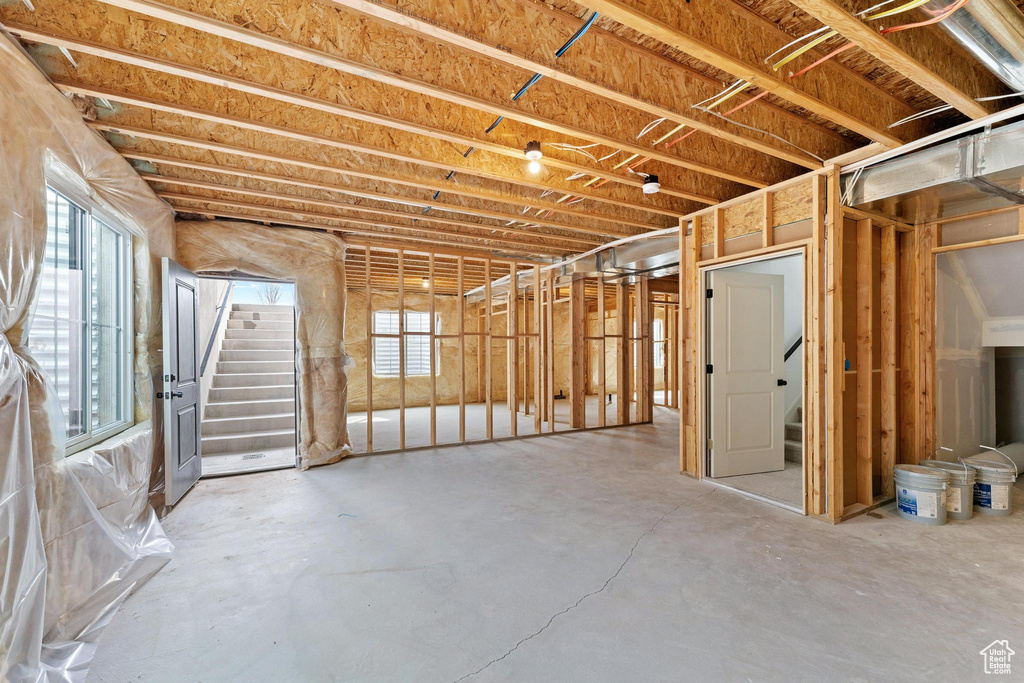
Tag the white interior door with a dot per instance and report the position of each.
(746, 382)
(181, 395)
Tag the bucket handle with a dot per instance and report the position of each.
(950, 450)
(1012, 462)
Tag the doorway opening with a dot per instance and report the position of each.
(248, 379)
(754, 355)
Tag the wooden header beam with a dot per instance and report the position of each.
(628, 15)
(871, 41)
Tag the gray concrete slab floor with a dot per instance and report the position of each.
(583, 557)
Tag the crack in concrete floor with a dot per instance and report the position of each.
(591, 593)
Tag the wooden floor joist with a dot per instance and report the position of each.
(199, 22)
(412, 22)
(628, 14)
(359, 148)
(441, 205)
(149, 134)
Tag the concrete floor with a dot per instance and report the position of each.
(785, 486)
(256, 461)
(581, 557)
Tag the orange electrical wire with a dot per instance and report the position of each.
(928, 22)
(824, 59)
(680, 138)
(892, 29)
(755, 98)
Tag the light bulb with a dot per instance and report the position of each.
(534, 167)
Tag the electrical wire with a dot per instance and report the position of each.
(669, 134)
(753, 99)
(649, 127)
(533, 79)
(946, 107)
(935, 19)
(906, 7)
(576, 36)
(680, 139)
(824, 59)
(763, 132)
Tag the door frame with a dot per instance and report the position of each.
(296, 374)
(704, 384)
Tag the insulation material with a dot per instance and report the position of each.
(964, 368)
(78, 532)
(315, 262)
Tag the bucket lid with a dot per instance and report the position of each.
(980, 462)
(930, 475)
(955, 469)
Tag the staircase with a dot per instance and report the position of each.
(251, 405)
(795, 438)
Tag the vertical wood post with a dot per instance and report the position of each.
(461, 308)
(577, 351)
(432, 351)
(602, 369)
(623, 344)
(538, 362)
(835, 358)
(369, 356)
(888, 333)
(549, 397)
(719, 232)
(488, 352)
(512, 325)
(401, 348)
(865, 361)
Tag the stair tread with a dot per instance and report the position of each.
(262, 416)
(249, 435)
(251, 400)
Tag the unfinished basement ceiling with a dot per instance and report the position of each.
(403, 124)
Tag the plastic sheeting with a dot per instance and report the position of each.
(315, 261)
(78, 534)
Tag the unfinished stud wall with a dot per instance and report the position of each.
(511, 352)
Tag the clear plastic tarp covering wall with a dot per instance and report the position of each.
(979, 347)
(77, 533)
(315, 262)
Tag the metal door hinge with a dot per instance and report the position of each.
(710, 293)
(710, 368)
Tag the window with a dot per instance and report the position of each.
(417, 346)
(81, 327)
(658, 330)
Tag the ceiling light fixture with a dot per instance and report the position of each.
(651, 184)
(533, 167)
(532, 150)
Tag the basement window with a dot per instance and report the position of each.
(81, 331)
(417, 345)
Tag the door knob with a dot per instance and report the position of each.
(176, 394)
(782, 382)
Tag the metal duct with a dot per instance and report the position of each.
(945, 180)
(992, 31)
(654, 256)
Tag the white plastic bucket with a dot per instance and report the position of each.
(960, 491)
(921, 493)
(993, 485)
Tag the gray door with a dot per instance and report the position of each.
(181, 395)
